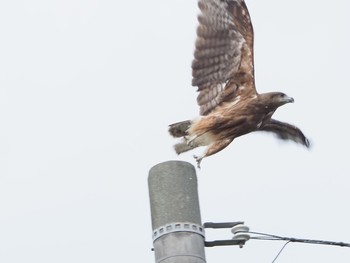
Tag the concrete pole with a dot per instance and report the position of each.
(178, 235)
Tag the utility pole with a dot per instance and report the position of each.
(178, 234)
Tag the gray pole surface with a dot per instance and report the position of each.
(176, 222)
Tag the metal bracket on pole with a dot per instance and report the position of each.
(222, 225)
(177, 227)
(238, 240)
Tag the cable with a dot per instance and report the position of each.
(263, 236)
(281, 251)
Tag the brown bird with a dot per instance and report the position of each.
(223, 71)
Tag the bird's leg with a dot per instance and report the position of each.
(190, 140)
(212, 149)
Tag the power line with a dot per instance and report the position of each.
(269, 237)
(280, 251)
(264, 236)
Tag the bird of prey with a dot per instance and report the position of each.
(223, 71)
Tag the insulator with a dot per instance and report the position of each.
(244, 237)
(239, 229)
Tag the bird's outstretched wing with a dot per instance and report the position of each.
(286, 131)
(223, 66)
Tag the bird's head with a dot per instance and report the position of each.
(277, 99)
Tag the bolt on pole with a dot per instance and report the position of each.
(178, 235)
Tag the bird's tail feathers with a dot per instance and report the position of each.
(179, 129)
(183, 146)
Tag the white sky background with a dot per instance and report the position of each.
(87, 89)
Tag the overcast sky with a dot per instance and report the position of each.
(87, 90)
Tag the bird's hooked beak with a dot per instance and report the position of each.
(288, 99)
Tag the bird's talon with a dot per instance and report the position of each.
(198, 160)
